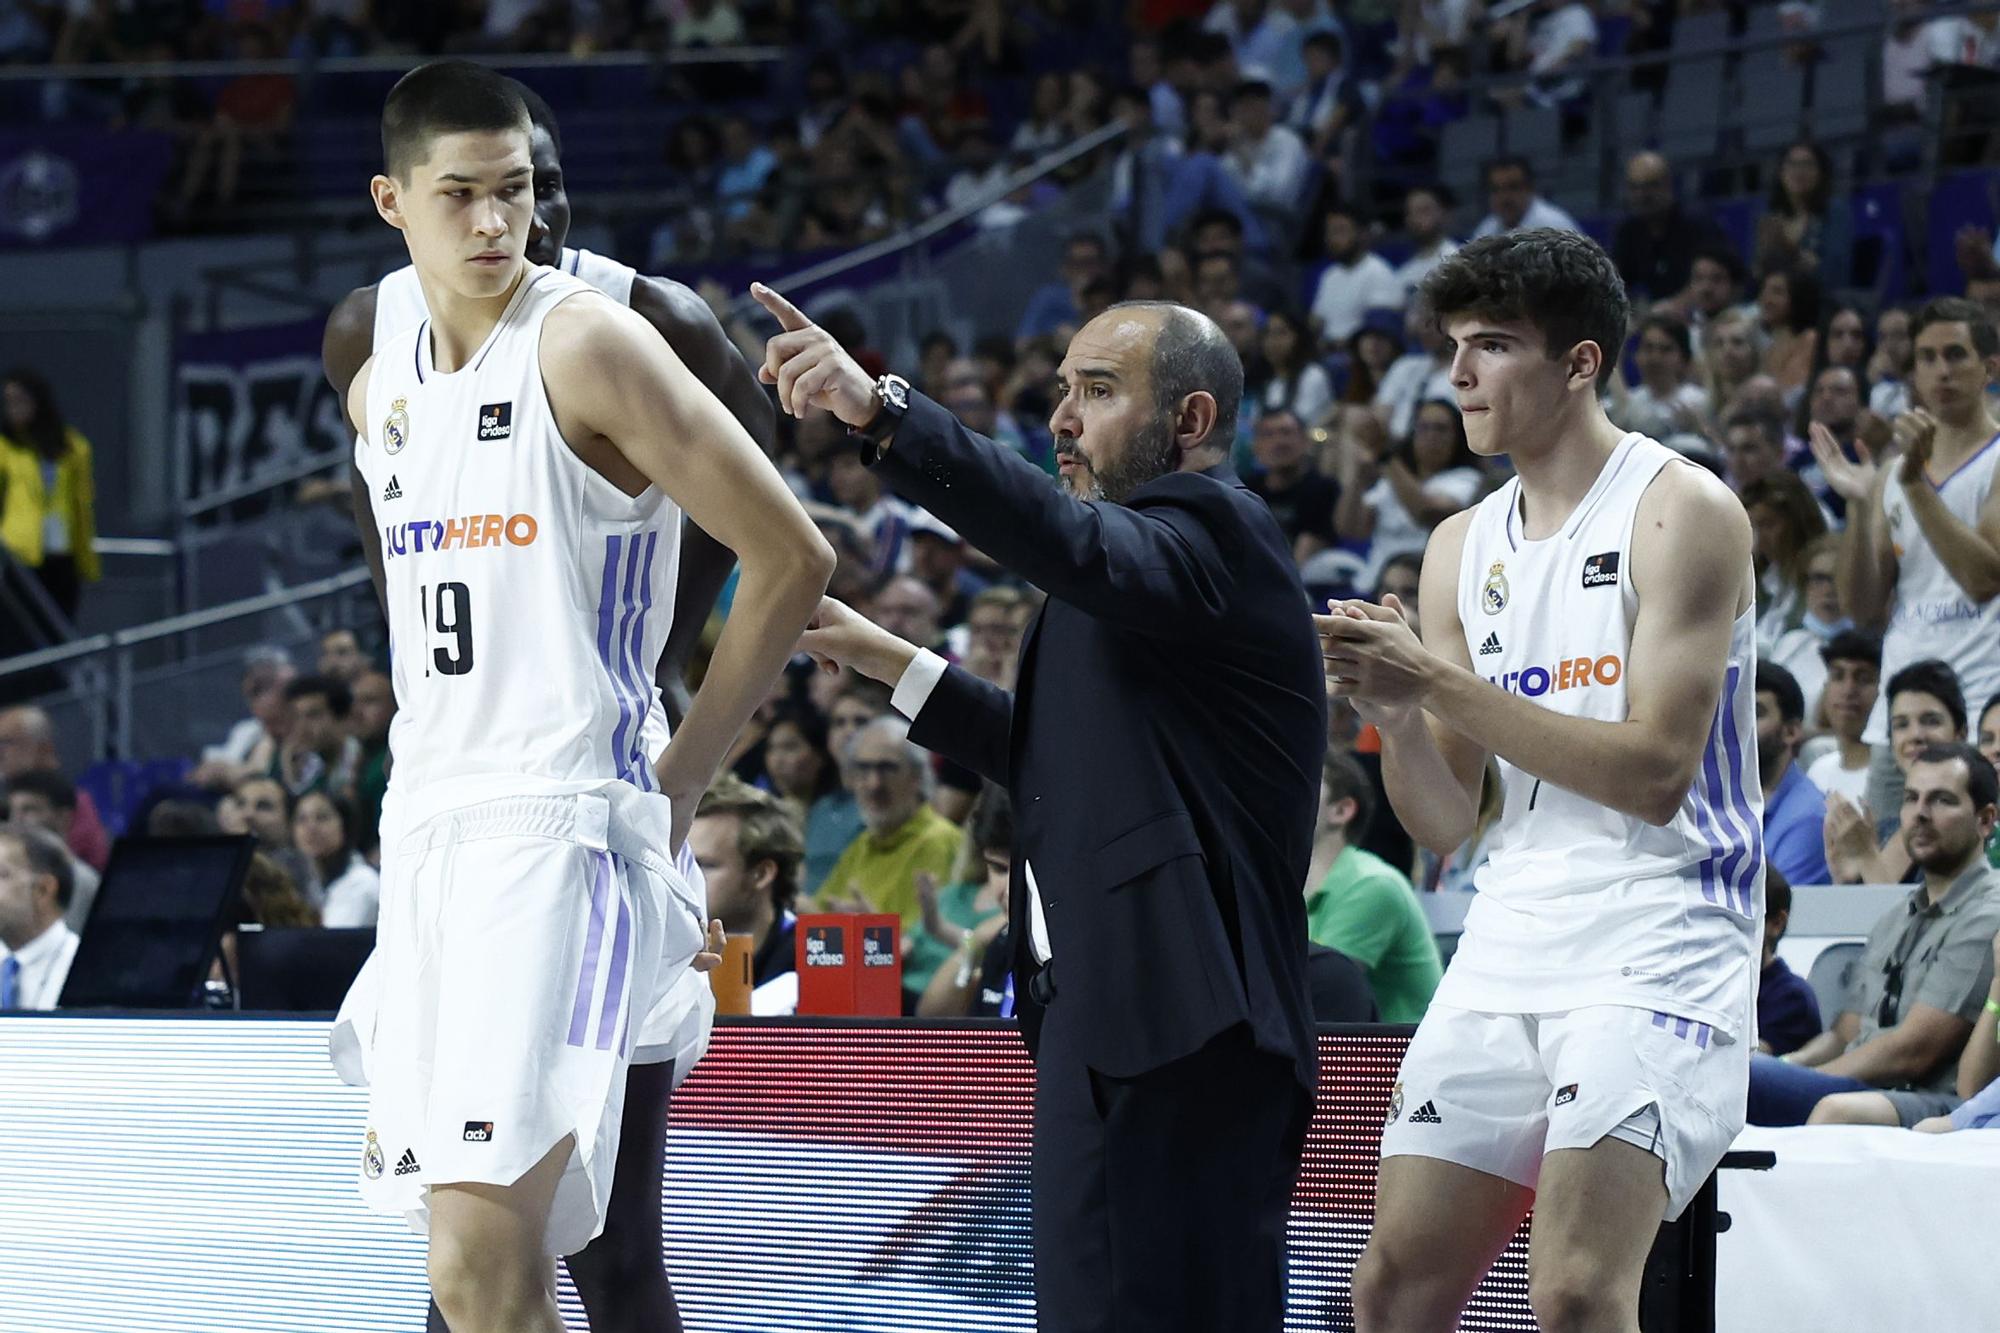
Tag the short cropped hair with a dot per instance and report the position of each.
(540, 114)
(1559, 281)
(991, 825)
(1782, 686)
(48, 784)
(1192, 353)
(1674, 329)
(1343, 778)
(1934, 678)
(766, 830)
(46, 856)
(1980, 781)
(1853, 645)
(445, 97)
(339, 699)
(1959, 310)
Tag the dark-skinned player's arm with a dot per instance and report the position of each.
(692, 330)
(343, 350)
(611, 377)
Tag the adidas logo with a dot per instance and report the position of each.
(1487, 649)
(408, 1165)
(1427, 1114)
(393, 491)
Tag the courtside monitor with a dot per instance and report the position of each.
(152, 933)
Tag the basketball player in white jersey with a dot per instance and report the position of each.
(1590, 625)
(533, 445)
(621, 1276)
(1921, 556)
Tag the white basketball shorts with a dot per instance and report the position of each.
(518, 939)
(677, 1028)
(1496, 1092)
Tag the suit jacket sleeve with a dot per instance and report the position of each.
(1157, 568)
(967, 720)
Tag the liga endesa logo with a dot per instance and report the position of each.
(449, 534)
(1569, 673)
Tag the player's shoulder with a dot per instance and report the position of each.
(1690, 506)
(349, 337)
(683, 318)
(1447, 542)
(583, 318)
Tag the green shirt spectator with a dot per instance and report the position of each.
(1366, 909)
(904, 836)
(1361, 905)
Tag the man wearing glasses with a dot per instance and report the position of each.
(1923, 979)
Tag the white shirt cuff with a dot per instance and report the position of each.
(920, 677)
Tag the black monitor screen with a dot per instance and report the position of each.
(152, 931)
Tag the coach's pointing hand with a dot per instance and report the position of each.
(810, 368)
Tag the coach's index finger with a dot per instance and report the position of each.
(788, 315)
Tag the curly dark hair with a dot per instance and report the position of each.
(1561, 282)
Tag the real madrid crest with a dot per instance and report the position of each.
(371, 1155)
(396, 430)
(1395, 1103)
(1493, 597)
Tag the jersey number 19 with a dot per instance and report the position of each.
(447, 608)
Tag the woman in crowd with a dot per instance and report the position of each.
(1294, 380)
(1804, 226)
(1371, 350)
(1785, 520)
(1987, 736)
(323, 832)
(1842, 340)
(968, 921)
(1788, 318)
(835, 820)
(48, 493)
(797, 764)
(1889, 367)
(1730, 359)
(1797, 649)
(1393, 502)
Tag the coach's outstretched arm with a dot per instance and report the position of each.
(611, 377)
(1154, 566)
(1691, 566)
(963, 718)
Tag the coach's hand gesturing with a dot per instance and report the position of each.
(810, 368)
(840, 636)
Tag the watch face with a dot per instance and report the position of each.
(895, 393)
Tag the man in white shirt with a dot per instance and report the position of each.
(1355, 282)
(1426, 210)
(1853, 677)
(35, 889)
(1510, 194)
(266, 672)
(1266, 159)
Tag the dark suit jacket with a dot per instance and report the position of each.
(1162, 749)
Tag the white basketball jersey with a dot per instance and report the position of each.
(399, 296)
(1929, 614)
(529, 598)
(1578, 903)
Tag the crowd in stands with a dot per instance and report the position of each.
(1860, 438)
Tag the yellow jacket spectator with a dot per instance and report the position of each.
(48, 494)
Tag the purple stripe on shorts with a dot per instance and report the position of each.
(579, 1016)
(613, 992)
(1660, 1020)
(1680, 1027)
(1701, 1031)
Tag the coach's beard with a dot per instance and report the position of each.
(1150, 453)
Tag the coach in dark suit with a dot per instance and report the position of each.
(1163, 753)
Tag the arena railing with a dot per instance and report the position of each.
(150, 690)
